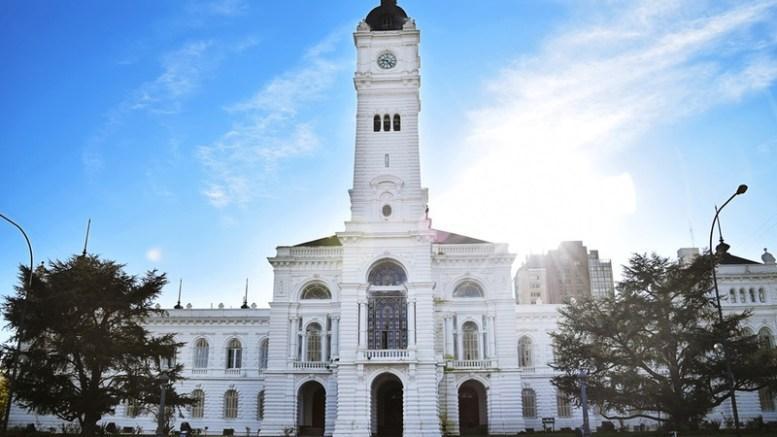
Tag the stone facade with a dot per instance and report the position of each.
(389, 327)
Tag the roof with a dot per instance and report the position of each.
(729, 259)
(329, 241)
(440, 237)
(444, 237)
(387, 16)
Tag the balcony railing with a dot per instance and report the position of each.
(199, 371)
(387, 355)
(310, 364)
(234, 372)
(472, 364)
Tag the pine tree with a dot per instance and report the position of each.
(650, 350)
(84, 347)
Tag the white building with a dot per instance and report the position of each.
(388, 327)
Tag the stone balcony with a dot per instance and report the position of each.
(310, 365)
(471, 364)
(386, 355)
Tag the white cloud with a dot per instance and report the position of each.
(182, 73)
(268, 129)
(589, 90)
(154, 254)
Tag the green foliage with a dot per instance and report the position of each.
(85, 349)
(650, 350)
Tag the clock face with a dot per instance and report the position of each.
(387, 60)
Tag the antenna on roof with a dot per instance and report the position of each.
(245, 298)
(180, 286)
(86, 239)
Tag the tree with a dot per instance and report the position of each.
(85, 349)
(650, 350)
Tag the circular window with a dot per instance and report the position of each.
(386, 210)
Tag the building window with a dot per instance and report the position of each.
(386, 123)
(387, 273)
(563, 405)
(762, 295)
(260, 406)
(766, 397)
(397, 123)
(264, 348)
(525, 352)
(386, 210)
(742, 297)
(198, 407)
(468, 289)
(313, 336)
(386, 160)
(234, 354)
(752, 295)
(470, 341)
(765, 338)
(133, 408)
(167, 363)
(230, 404)
(316, 291)
(732, 296)
(529, 399)
(376, 123)
(201, 354)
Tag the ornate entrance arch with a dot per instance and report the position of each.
(387, 307)
(387, 406)
(311, 409)
(473, 411)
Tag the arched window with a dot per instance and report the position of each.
(762, 295)
(732, 296)
(198, 407)
(376, 123)
(742, 297)
(752, 295)
(260, 406)
(264, 349)
(525, 352)
(313, 335)
(230, 404)
(397, 123)
(563, 405)
(133, 408)
(316, 291)
(765, 337)
(386, 123)
(468, 289)
(387, 273)
(747, 332)
(529, 399)
(766, 398)
(470, 341)
(201, 354)
(234, 354)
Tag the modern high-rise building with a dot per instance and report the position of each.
(563, 273)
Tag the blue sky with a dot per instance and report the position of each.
(200, 135)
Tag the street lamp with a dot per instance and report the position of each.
(720, 250)
(160, 430)
(19, 337)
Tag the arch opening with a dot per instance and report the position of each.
(311, 409)
(387, 406)
(473, 411)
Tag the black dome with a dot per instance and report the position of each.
(387, 16)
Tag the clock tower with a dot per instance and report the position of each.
(387, 180)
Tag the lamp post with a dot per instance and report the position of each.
(160, 430)
(720, 250)
(18, 336)
(584, 400)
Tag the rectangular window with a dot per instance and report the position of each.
(563, 405)
(766, 398)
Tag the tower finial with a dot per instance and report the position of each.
(245, 298)
(180, 286)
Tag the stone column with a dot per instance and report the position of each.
(448, 335)
(293, 339)
(363, 343)
(459, 341)
(491, 336)
(336, 337)
(411, 334)
(323, 338)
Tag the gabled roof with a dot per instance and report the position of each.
(444, 237)
(329, 241)
(729, 259)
